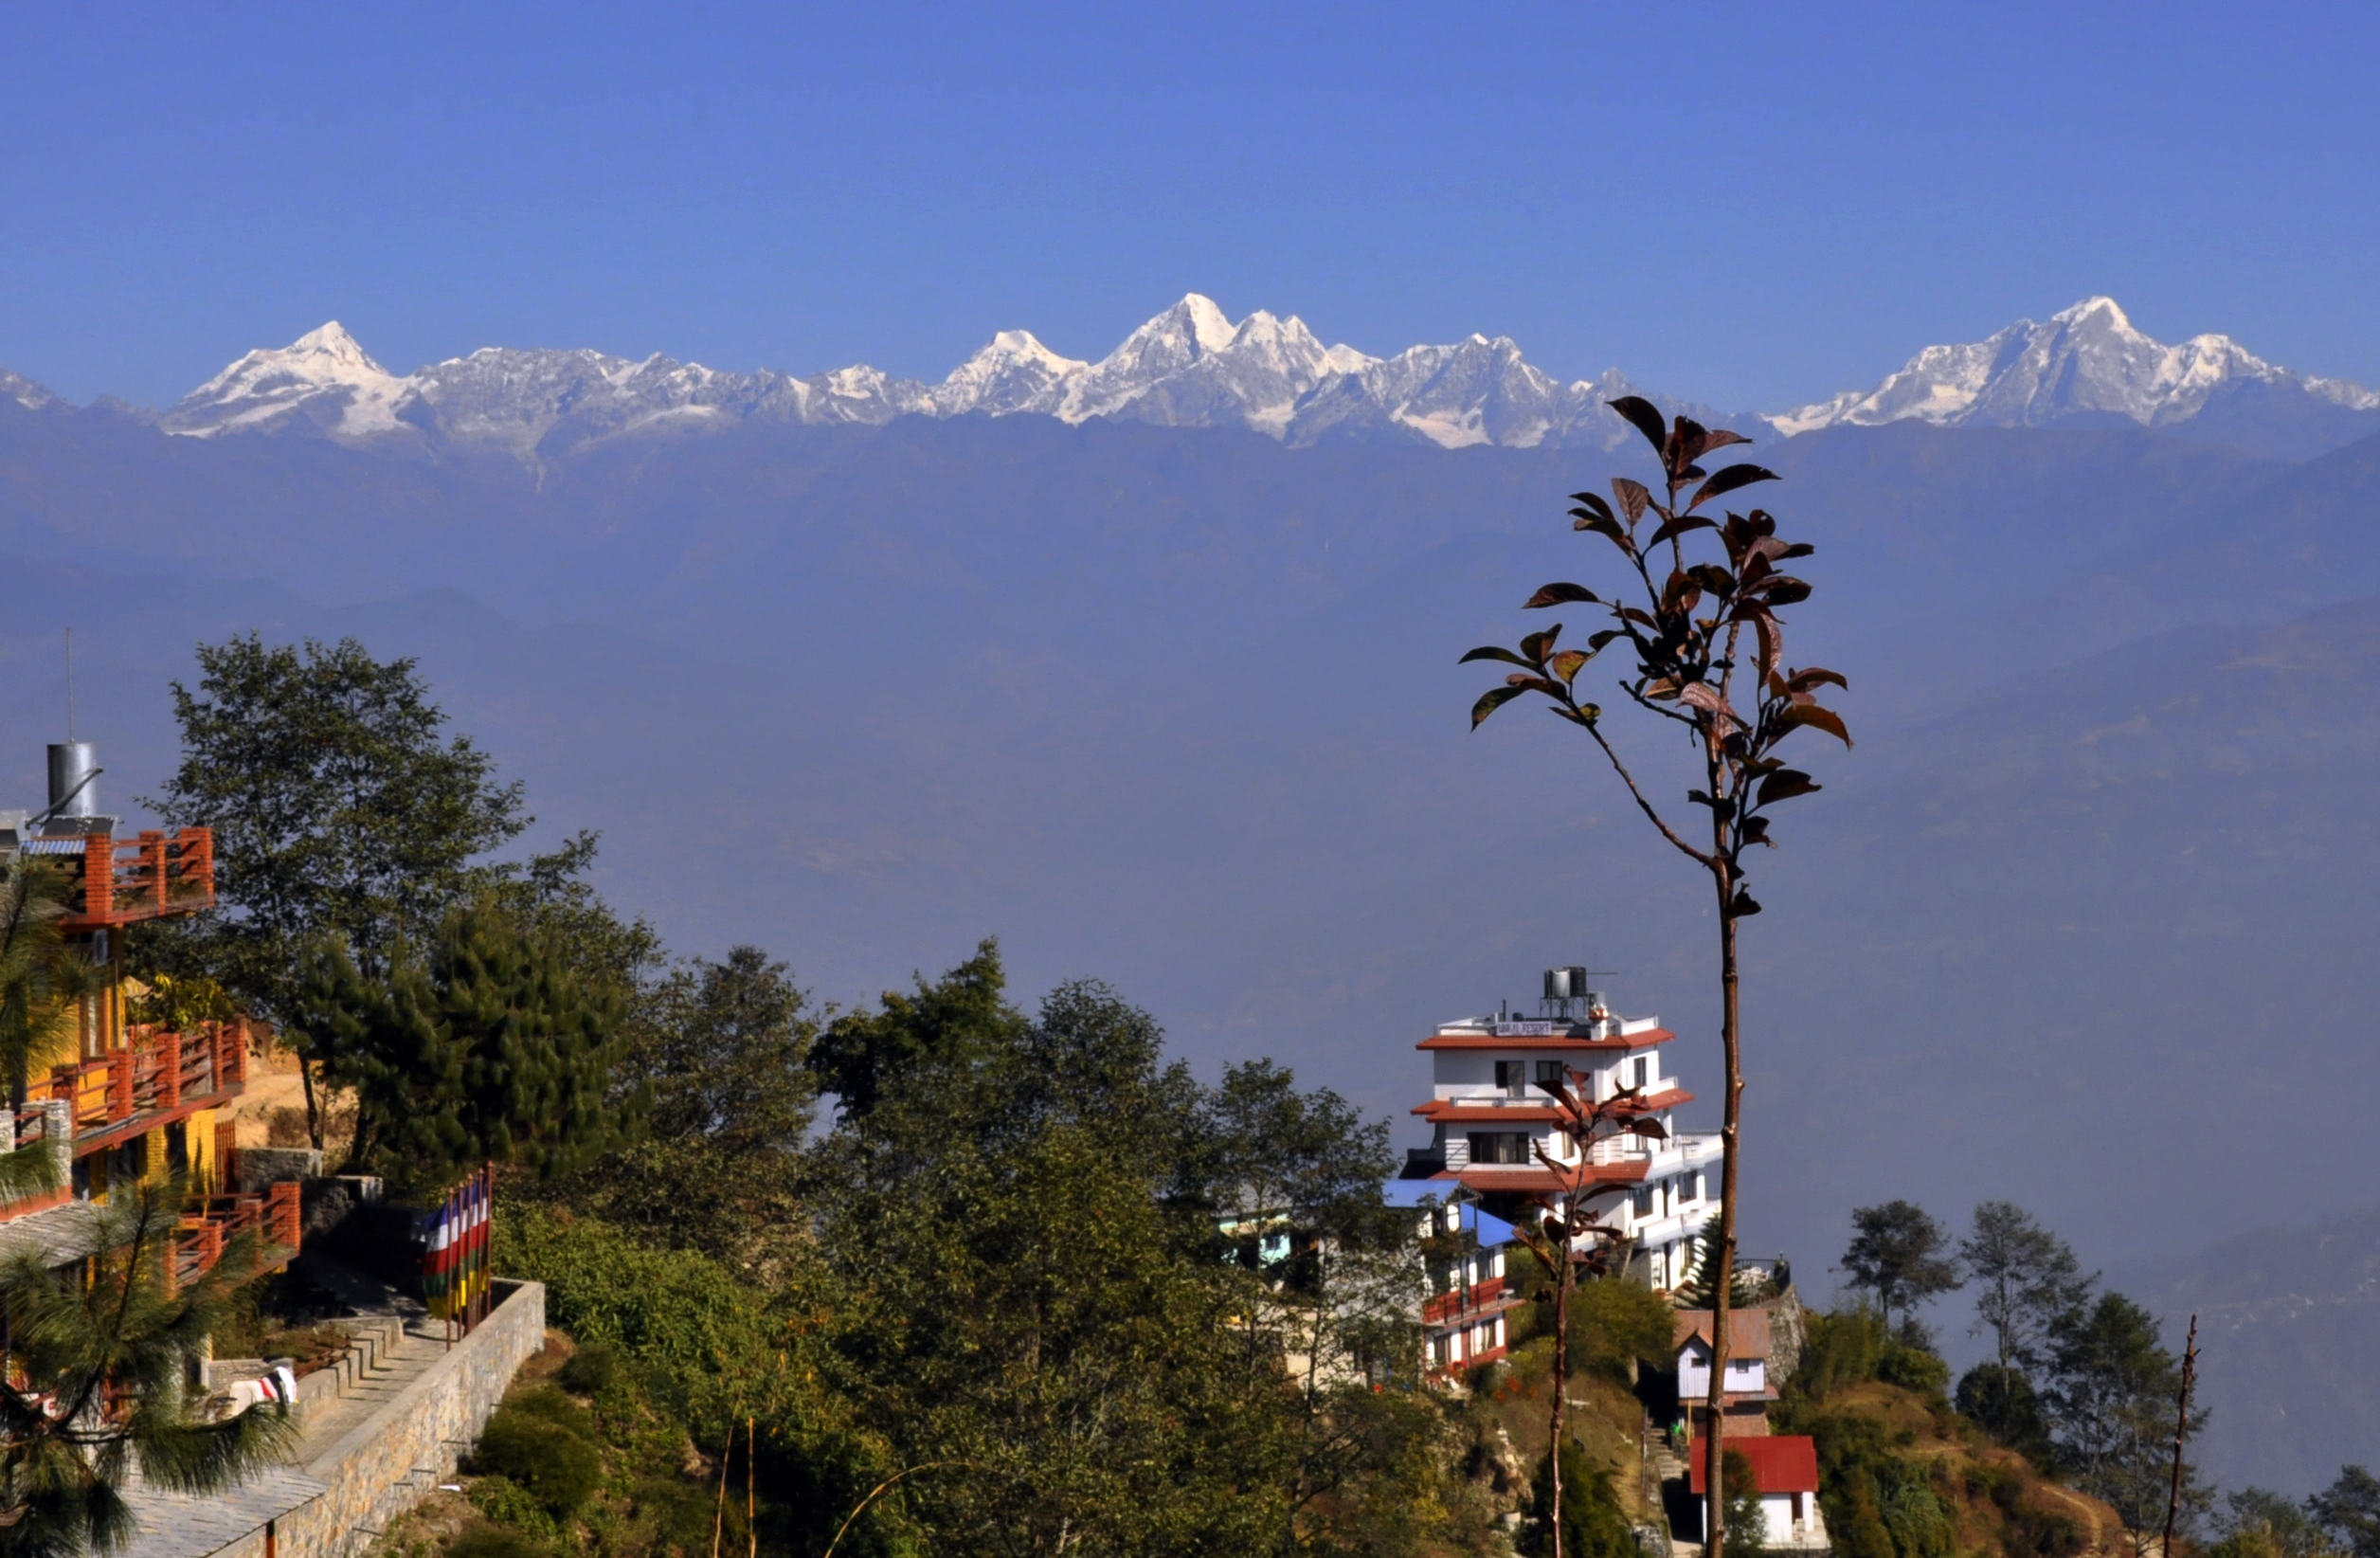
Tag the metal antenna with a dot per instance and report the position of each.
(70, 719)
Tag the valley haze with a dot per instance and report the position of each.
(1146, 665)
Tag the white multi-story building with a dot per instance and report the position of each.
(1491, 1118)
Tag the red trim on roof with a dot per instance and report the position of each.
(1781, 1463)
(1488, 1041)
(1446, 1109)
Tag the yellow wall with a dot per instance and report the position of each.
(200, 1128)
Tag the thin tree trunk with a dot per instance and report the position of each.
(1723, 1294)
(314, 1112)
(1561, 1363)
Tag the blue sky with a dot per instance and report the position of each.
(1755, 206)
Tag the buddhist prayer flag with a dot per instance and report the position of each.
(455, 1250)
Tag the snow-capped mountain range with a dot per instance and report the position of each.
(1193, 365)
(1190, 365)
(2083, 359)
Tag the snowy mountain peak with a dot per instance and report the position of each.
(16, 387)
(326, 371)
(2084, 359)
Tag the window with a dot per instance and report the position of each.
(1644, 1070)
(1512, 1076)
(1644, 1202)
(1552, 1074)
(1689, 1186)
(1501, 1147)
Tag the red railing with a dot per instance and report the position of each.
(145, 877)
(276, 1217)
(156, 1073)
(1449, 1304)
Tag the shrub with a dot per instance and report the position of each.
(1594, 1525)
(590, 1370)
(496, 1542)
(1913, 1368)
(550, 1406)
(677, 1315)
(507, 1503)
(1615, 1322)
(2003, 1403)
(1747, 1522)
(557, 1465)
(1838, 1352)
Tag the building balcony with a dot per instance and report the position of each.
(153, 876)
(1486, 1297)
(216, 1223)
(156, 1079)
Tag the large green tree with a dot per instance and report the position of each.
(2027, 1281)
(1901, 1257)
(2112, 1400)
(721, 1050)
(1028, 1221)
(487, 1046)
(341, 808)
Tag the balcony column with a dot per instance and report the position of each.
(170, 1077)
(99, 875)
(58, 1131)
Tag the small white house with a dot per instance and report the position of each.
(1747, 1388)
(1785, 1467)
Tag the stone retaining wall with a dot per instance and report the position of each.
(392, 1460)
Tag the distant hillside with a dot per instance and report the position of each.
(2288, 1328)
(1179, 708)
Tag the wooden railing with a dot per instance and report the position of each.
(144, 878)
(153, 1074)
(217, 1221)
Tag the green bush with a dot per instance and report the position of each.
(1877, 1504)
(590, 1370)
(507, 1503)
(1594, 1525)
(1615, 1322)
(1747, 1522)
(2003, 1403)
(557, 1465)
(550, 1405)
(1913, 1368)
(496, 1542)
(1838, 1351)
(677, 1315)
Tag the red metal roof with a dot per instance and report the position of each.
(1488, 1041)
(1781, 1463)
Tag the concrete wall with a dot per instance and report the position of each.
(392, 1460)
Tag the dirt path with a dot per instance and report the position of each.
(2097, 1517)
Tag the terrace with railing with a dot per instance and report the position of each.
(216, 1224)
(154, 1079)
(123, 881)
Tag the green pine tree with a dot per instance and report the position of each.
(101, 1347)
(1594, 1525)
(492, 1048)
